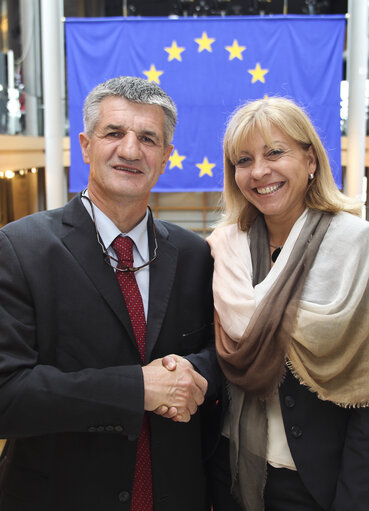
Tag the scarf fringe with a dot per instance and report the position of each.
(361, 404)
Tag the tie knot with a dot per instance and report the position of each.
(123, 246)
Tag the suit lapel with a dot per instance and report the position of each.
(162, 274)
(81, 241)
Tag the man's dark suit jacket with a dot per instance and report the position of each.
(71, 385)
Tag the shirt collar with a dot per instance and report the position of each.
(108, 231)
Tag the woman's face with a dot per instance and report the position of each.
(274, 179)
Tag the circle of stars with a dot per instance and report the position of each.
(204, 43)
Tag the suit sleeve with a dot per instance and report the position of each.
(205, 361)
(353, 482)
(38, 399)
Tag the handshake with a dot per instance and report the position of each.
(173, 388)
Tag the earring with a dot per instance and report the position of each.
(311, 176)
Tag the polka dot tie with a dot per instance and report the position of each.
(142, 485)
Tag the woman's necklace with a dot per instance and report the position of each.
(276, 252)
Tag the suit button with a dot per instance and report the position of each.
(124, 496)
(91, 429)
(296, 431)
(100, 429)
(118, 429)
(289, 401)
(109, 428)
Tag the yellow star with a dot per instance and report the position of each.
(153, 74)
(258, 74)
(176, 160)
(235, 51)
(204, 42)
(205, 167)
(174, 51)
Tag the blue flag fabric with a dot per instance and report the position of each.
(209, 66)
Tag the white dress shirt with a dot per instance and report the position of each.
(108, 231)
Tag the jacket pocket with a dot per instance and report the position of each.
(194, 340)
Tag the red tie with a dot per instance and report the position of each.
(142, 484)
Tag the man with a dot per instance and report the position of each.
(86, 317)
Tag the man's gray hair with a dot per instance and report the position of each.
(133, 89)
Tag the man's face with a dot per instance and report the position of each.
(126, 151)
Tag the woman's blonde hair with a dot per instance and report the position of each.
(321, 193)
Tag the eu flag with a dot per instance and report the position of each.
(209, 66)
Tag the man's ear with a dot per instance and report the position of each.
(85, 144)
(167, 153)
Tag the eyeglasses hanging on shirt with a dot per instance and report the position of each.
(107, 257)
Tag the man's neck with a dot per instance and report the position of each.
(125, 215)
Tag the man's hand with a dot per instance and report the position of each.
(173, 388)
(170, 363)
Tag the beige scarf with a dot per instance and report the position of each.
(321, 329)
(318, 322)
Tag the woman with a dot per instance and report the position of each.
(292, 319)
